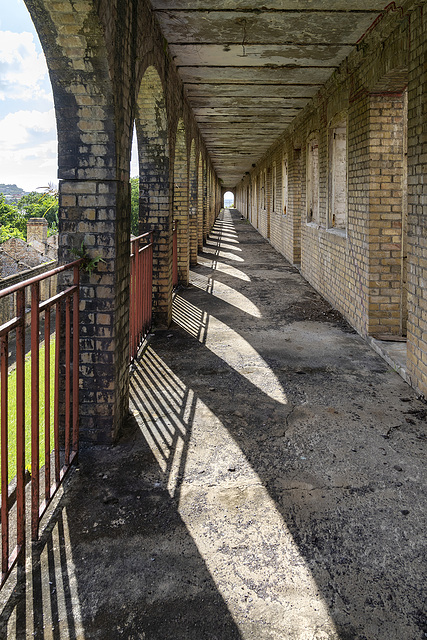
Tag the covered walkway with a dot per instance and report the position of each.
(269, 484)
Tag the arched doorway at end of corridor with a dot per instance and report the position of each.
(228, 200)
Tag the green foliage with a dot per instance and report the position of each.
(88, 263)
(13, 217)
(13, 221)
(9, 231)
(134, 197)
(41, 205)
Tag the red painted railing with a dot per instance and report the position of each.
(66, 341)
(141, 290)
(175, 255)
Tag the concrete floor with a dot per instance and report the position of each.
(270, 484)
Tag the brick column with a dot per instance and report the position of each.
(180, 205)
(200, 205)
(417, 201)
(193, 206)
(90, 212)
(205, 203)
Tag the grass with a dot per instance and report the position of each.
(43, 399)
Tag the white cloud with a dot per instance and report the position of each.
(28, 148)
(23, 71)
(22, 126)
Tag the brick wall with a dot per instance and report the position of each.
(361, 268)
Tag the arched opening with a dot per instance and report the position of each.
(228, 200)
(134, 185)
(154, 208)
(180, 203)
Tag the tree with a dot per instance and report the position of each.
(41, 205)
(13, 222)
(14, 217)
(134, 198)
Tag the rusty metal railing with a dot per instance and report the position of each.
(141, 290)
(175, 254)
(65, 303)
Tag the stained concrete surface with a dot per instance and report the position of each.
(281, 50)
(269, 485)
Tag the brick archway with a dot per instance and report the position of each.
(93, 169)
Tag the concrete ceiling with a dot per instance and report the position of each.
(249, 67)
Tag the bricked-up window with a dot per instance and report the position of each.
(312, 180)
(264, 189)
(284, 185)
(338, 176)
(274, 188)
(254, 202)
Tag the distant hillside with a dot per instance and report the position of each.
(11, 192)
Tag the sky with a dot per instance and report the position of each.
(28, 141)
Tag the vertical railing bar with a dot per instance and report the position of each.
(4, 455)
(47, 411)
(131, 301)
(56, 405)
(139, 299)
(134, 295)
(141, 294)
(20, 422)
(76, 360)
(144, 292)
(67, 378)
(35, 408)
(150, 287)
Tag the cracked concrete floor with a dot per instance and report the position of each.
(269, 485)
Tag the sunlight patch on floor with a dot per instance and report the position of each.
(228, 345)
(247, 547)
(224, 292)
(224, 268)
(258, 570)
(222, 245)
(222, 254)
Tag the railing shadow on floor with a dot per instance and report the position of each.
(171, 392)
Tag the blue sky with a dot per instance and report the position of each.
(28, 143)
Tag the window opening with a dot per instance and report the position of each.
(274, 187)
(312, 181)
(338, 176)
(284, 185)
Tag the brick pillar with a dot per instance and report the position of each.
(91, 212)
(387, 127)
(417, 201)
(205, 203)
(37, 234)
(193, 206)
(180, 205)
(200, 204)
